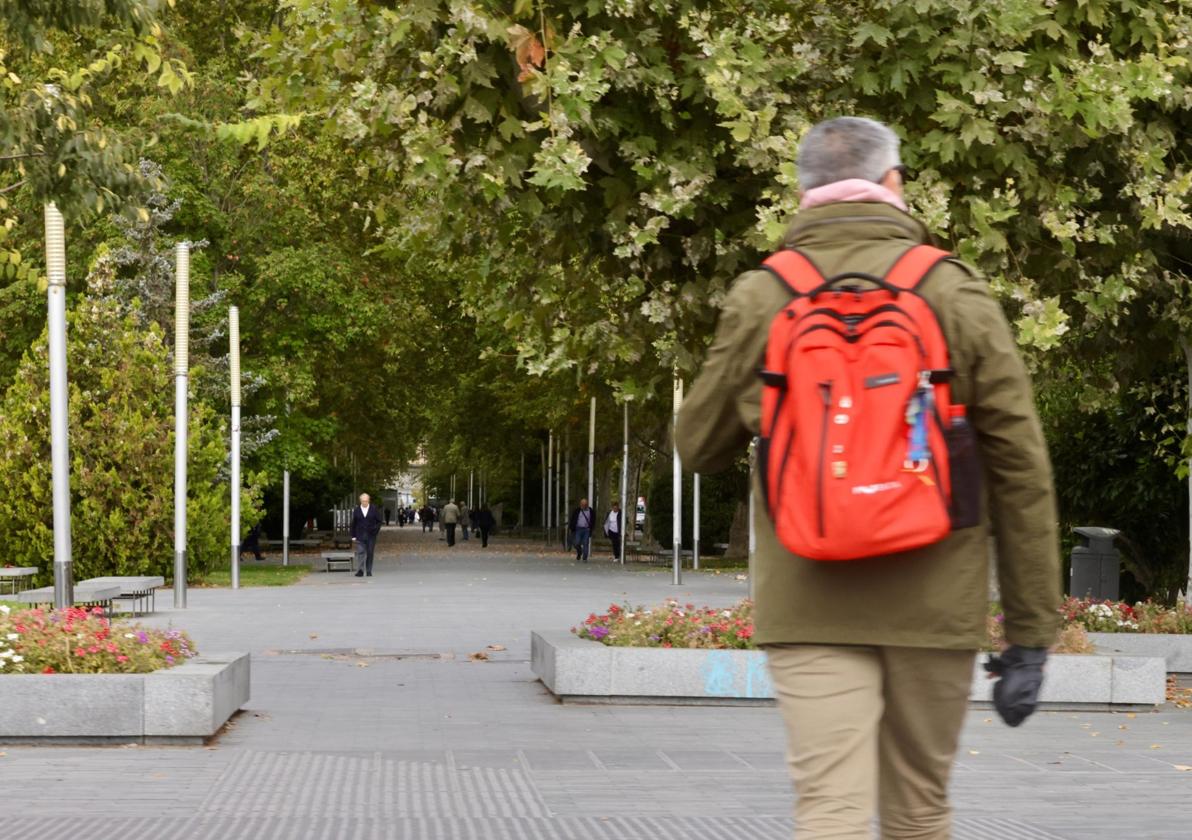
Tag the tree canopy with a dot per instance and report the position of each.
(449, 224)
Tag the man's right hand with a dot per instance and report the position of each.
(1016, 693)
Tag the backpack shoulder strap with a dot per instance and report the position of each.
(795, 270)
(911, 269)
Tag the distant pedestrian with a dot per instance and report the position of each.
(450, 519)
(366, 524)
(252, 542)
(612, 529)
(465, 519)
(580, 525)
(872, 558)
(387, 512)
(427, 517)
(485, 522)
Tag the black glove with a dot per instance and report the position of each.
(1016, 694)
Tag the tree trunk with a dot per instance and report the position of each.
(738, 533)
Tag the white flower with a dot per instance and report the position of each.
(12, 637)
(129, 636)
(18, 659)
(727, 614)
(4, 609)
(4, 654)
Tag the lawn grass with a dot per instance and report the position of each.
(14, 605)
(255, 576)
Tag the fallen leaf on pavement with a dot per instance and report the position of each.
(314, 635)
(478, 656)
(496, 647)
(1182, 767)
(361, 664)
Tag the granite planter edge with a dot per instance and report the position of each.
(582, 671)
(187, 704)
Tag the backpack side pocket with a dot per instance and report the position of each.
(966, 475)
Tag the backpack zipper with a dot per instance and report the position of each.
(826, 393)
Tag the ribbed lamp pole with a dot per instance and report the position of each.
(234, 354)
(59, 421)
(181, 385)
(628, 512)
(592, 455)
(677, 490)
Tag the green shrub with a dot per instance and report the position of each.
(121, 451)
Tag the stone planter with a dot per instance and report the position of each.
(1176, 649)
(183, 705)
(582, 671)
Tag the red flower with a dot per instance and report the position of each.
(48, 670)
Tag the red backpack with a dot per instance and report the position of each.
(854, 452)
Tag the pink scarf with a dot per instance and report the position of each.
(852, 189)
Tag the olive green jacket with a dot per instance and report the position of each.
(931, 597)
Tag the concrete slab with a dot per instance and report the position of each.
(1176, 649)
(417, 748)
(585, 671)
(185, 704)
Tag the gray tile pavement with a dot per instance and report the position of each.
(368, 720)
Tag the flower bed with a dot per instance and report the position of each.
(673, 625)
(1120, 617)
(85, 641)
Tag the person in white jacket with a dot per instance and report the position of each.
(612, 529)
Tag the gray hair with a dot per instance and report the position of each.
(847, 147)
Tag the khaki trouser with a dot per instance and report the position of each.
(871, 729)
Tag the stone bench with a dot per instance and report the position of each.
(17, 577)
(139, 589)
(98, 595)
(343, 560)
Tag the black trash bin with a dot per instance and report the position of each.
(1096, 564)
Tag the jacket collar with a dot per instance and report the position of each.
(853, 221)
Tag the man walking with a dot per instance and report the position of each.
(485, 522)
(872, 659)
(450, 518)
(465, 519)
(580, 525)
(366, 524)
(612, 530)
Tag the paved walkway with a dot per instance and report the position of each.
(368, 720)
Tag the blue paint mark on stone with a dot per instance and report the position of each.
(757, 678)
(719, 678)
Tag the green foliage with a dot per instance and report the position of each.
(644, 153)
(54, 141)
(121, 446)
(1107, 472)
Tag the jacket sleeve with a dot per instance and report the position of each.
(1017, 470)
(710, 433)
(352, 527)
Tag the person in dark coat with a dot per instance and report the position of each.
(583, 520)
(366, 524)
(484, 520)
(253, 542)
